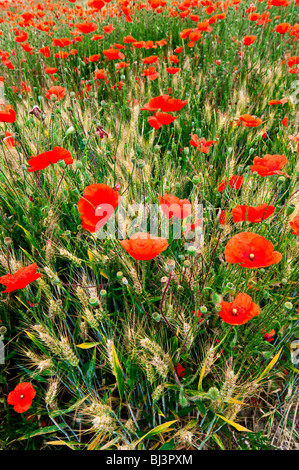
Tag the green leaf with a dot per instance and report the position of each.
(157, 430)
(42, 431)
(118, 372)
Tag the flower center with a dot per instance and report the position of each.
(234, 311)
(22, 396)
(251, 256)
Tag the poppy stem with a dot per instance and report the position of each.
(162, 302)
(7, 256)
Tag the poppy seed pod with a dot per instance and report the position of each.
(288, 305)
(103, 293)
(214, 393)
(93, 301)
(119, 274)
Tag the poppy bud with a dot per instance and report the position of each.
(216, 298)
(79, 165)
(70, 130)
(186, 150)
(156, 316)
(61, 163)
(290, 209)
(180, 288)
(187, 263)
(203, 309)
(72, 94)
(53, 98)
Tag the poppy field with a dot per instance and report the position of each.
(149, 224)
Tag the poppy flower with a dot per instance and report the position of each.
(269, 165)
(61, 55)
(151, 73)
(160, 119)
(269, 336)
(180, 370)
(165, 103)
(129, 39)
(235, 182)
(43, 160)
(150, 60)
(96, 206)
(283, 28)
(173, 206)
(45, 51)
(94, 58)
(122, 65)
(248, 40)
(9, 140)
(203, 145)
(295, 225)
(20, 279)
(249, 121)
(96, 4)
(50, 70)
(282, 101)
(251, 250)
(100, 75)
(143, 246)
(8, 115)
(113, 54)
(240, 311)
(172, 70)
(108, 29)
(21, 397)
(58, 91)
(252, 214)
(61, 42)
(86, 28)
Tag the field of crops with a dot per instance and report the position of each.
(149, 223)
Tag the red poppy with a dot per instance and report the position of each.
(269, 336)
(86, 28)
(128, 39)
(20, 279)
(250, 250)
(252, 214)
(50, 70)
(180, 370)
(45, 51)
(235, 182)
(108, 29)
(96, 206)
(59, 91)
(249, 121)
(248, 40)
(269, 165)
(283, 28)
(61, 42)
(240, 311)
(143, 246)
(151, 73)
(94, 58)
(165, 103)
(173, 206)
(9, 140)
(295, 225)
(203, 145)
(160, 119)
(113, 54)
(172, 70)
(152, 59)
(21, 397)
(100, 75)
(43, 160)
(61, 55)
(282, 101)
(122, 65)
(8, 115)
